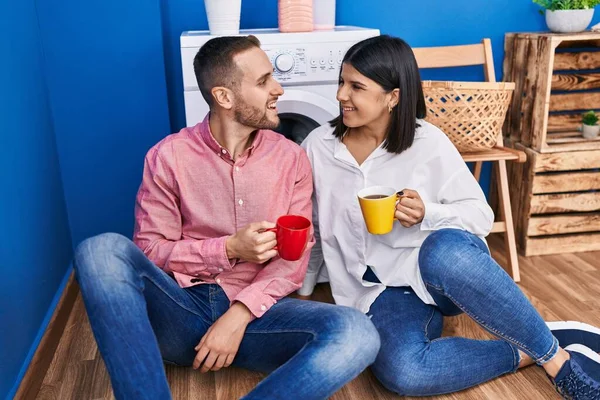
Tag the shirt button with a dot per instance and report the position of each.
(263, 307)
(237, 169)
(220, 269)
(223, 151)
(218, 281)
(241, 202)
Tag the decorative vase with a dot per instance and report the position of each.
(569, 21)
(590, 131)
(223, 16)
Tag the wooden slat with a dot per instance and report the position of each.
(567, 161)
(558, 224)
(477, 170)
(521, 181)
(516, 55)
(567, 182)
(566, 37)
(449, 56)
(565, 202)
(576, 37)
(509, 51)
(507, 67)
(580, 44)
(575, 101)
(541, 91)
(577, 61)
(530, 74)
(515, 172)
(564, 122)
(564, 134)
(563, 244)
(488, 68)
(575, 81)
(499, 226)
(512, 265)
(570, 139)
(580, 145)
(495, 154)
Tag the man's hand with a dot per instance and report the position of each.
(253, 243)
(220, 344)
(410, 209)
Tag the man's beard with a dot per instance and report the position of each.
(253, 117)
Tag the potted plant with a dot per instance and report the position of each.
(590, 125)
(567, 16)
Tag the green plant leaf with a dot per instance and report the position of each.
(554, 5)
(589, 118)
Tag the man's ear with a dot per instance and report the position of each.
(222, 96)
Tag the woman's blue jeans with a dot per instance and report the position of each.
(462, 277)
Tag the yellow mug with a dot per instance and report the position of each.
(378, 205)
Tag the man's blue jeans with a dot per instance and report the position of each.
(140, 317)
(461, 277)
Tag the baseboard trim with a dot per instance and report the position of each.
(36, 372)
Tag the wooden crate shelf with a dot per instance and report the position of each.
(556, 201)
(557, 78)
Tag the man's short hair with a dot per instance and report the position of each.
(214, 65)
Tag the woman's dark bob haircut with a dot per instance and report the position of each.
(390, 62)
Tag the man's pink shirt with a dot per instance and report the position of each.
(193, 196)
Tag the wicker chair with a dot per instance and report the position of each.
(481, 54)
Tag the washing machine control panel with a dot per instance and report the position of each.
(299, 64)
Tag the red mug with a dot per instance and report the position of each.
(292, 233)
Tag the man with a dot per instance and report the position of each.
(207, 288)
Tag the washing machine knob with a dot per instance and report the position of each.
(284, 63)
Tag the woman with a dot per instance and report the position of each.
(435, 262)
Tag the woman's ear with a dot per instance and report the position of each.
(394, 97)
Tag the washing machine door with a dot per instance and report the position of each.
(301, 111)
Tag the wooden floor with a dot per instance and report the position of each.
(561, 287)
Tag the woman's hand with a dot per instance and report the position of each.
(410, 209)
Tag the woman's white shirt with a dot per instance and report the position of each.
(432, 166)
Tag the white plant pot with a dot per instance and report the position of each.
(590, 131)
(567, 21)
(223, 16)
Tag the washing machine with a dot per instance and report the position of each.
(306, 64)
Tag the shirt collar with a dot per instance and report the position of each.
(330, 136)
(419, 133)
(203, 130)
